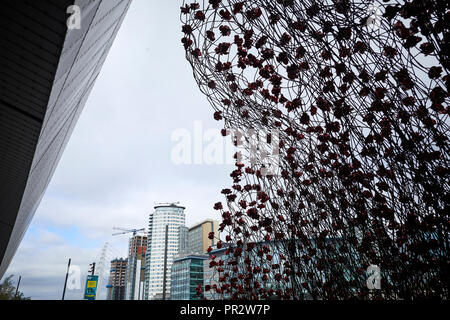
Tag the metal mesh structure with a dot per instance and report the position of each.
(357, 92)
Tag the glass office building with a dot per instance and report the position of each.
(162, 246)
(186, 275)
(47, 71)
(211, 276)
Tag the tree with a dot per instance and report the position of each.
(8, 290)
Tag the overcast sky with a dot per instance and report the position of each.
(117, 163)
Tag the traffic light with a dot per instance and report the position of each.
(92, 268)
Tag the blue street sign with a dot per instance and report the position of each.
(91, 287)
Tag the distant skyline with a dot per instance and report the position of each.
(118, 164)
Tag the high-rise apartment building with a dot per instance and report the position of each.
(116, 283)
(196, 240)
(183, 245)
(162, 247)
(135, 275)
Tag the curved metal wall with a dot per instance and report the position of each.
(47, 72)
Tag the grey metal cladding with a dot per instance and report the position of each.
(46, 74)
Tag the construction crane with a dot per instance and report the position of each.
(125, 230)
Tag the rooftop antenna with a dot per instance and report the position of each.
(166, 203)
